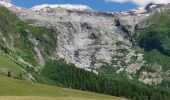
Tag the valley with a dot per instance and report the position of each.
(48, 50)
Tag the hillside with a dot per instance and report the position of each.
(154, 39)
(12, 89)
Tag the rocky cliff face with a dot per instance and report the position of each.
(85, 36)
(91, 39)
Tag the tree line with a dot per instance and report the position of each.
(59, 72)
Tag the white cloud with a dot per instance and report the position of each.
(141, 2)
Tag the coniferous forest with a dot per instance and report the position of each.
(67, 75)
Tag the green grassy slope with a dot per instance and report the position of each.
(21, 90)
(9, 64)
(155, 40)
(156, 36)
(12, 29)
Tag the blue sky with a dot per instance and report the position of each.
(100, 5)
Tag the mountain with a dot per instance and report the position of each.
(78, 47)
(88, 38)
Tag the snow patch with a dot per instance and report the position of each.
(139, 10)
(90, 70)
(153, 6)
(5, 4)
(64, 6)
